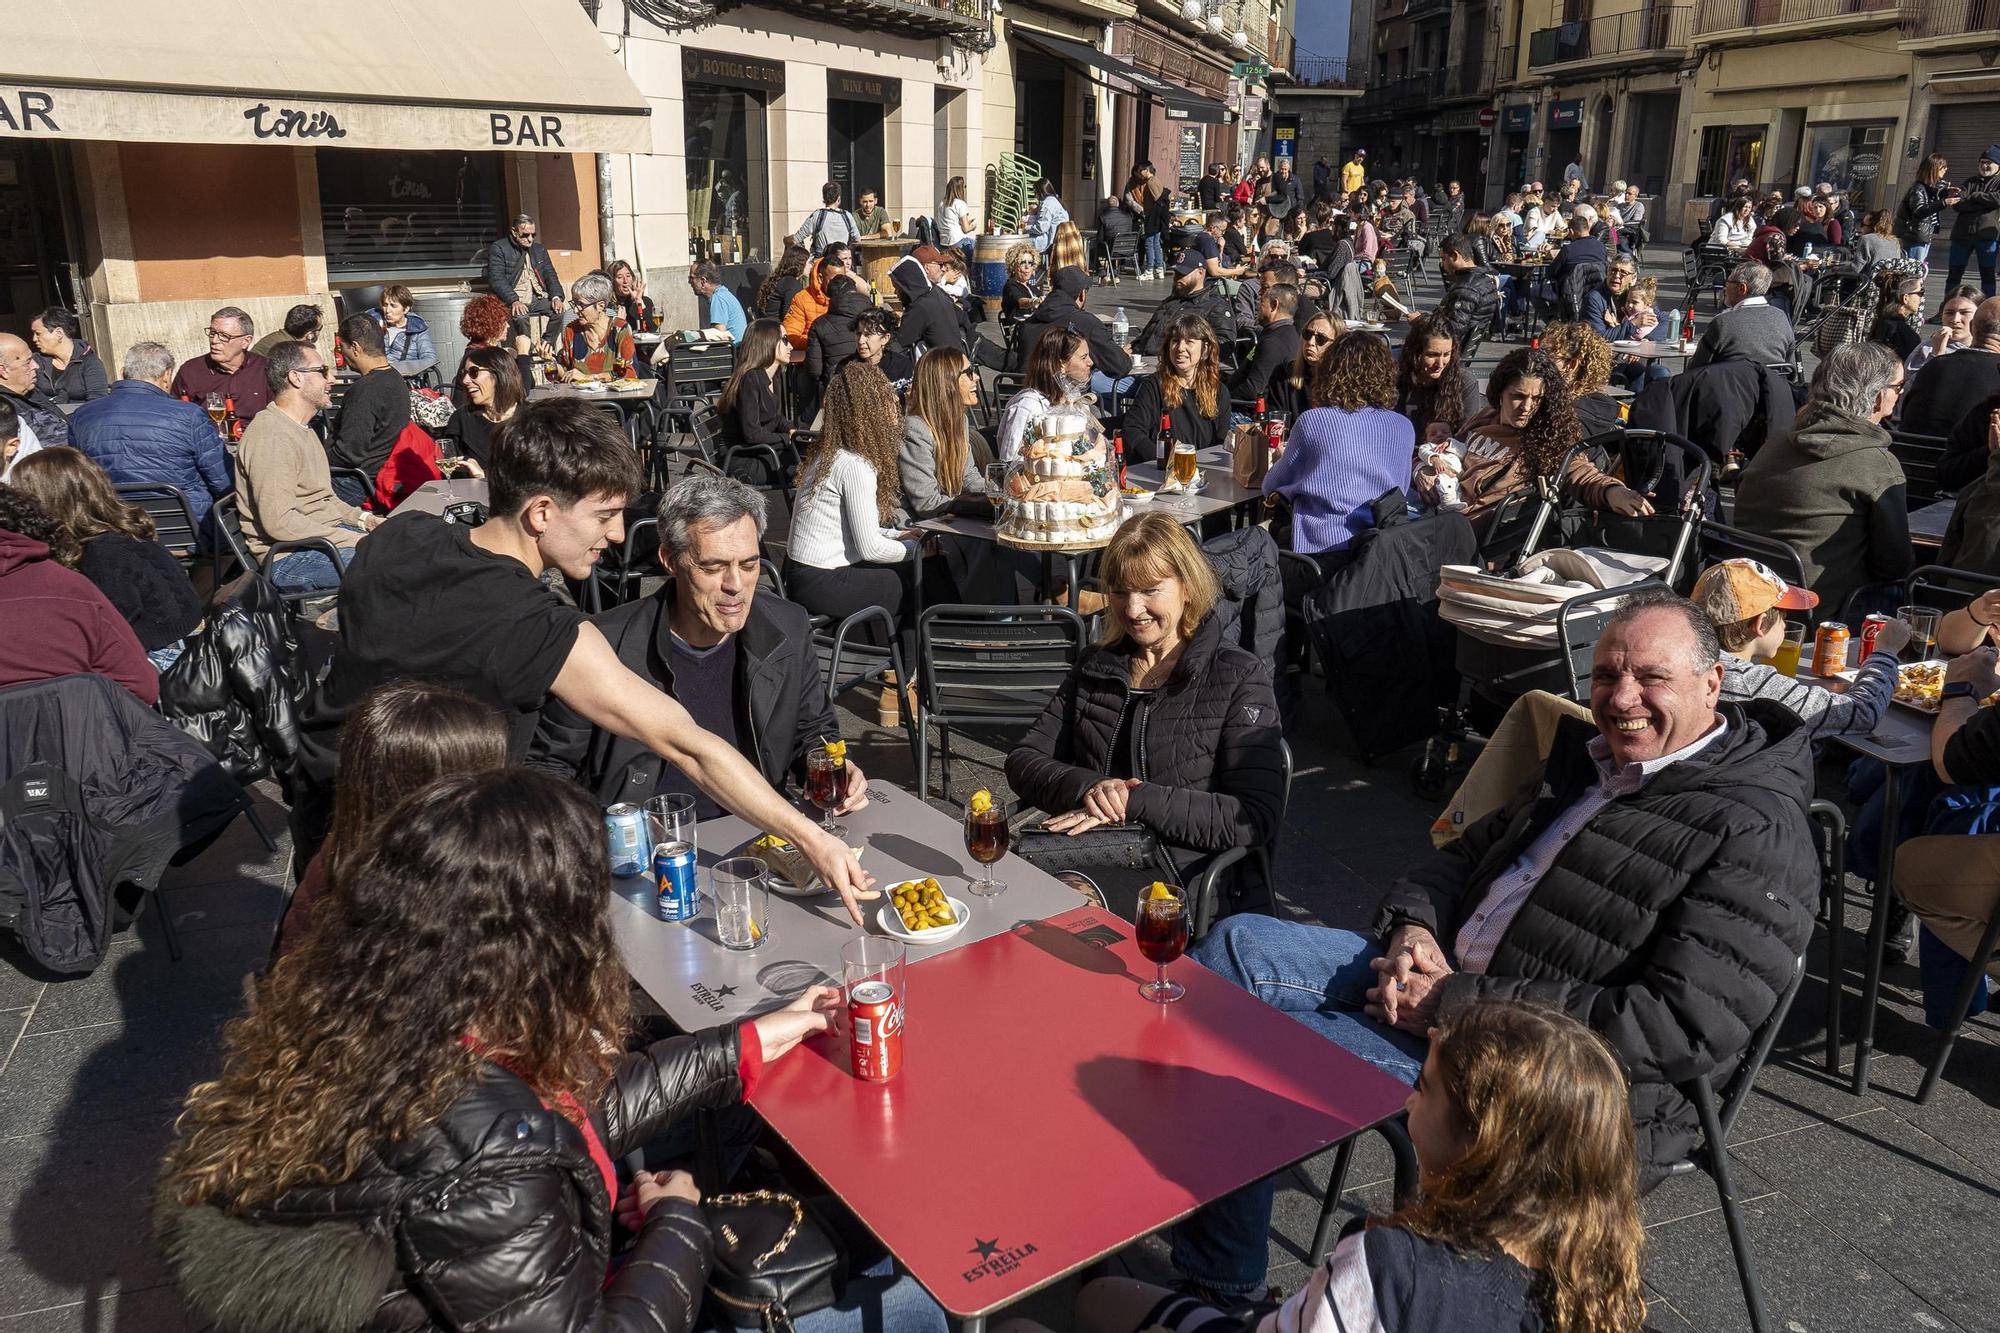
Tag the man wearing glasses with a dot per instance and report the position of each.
(230, 368)
(519, 272)
(284, 489)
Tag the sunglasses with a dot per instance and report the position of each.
(1317, 338)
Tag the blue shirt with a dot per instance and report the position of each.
(725, 310)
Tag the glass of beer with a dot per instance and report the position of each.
(1162, 924)
(218, 411)
(986, 839)
(1923, 623)
(1182, 467)
(740, 886)
(826, 780)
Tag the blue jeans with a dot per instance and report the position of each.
(1963, 248)
(1156, 252)
(304, 571)
(1320, 977)
(1102, 384)
(1920, 253)
(878, 1300)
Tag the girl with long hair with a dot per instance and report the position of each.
(936, 463)
(1292, 392)
(1527, 1209)
(1899, 309)
(1522, 435)
(114, 548)
(957, 224)
(752, 406)
(1917, 217)
(1058, 372)
(1434, 387)
(1068, 250)
(1347, 450)
(775, 293)
(489, 382)
(400, 738)
(846, 551)
(436, 1075)
(1044, 218)
(1186, 391)
(1585, 359)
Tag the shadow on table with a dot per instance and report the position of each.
(1088, 948)
(918, 856)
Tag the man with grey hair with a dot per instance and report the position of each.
(1832, 488)
(230, 369)
(141, 434)
(739, 660)
(520, 272)
(1751, 329)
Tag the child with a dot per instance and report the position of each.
(1747, 601)
(1527, 1209)
(1641, 312)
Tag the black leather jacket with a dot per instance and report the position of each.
(494, 1218)
(240, 682)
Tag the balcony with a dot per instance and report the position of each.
(1311, 71)
(1398, 95)
(1714, 16)
(1660, 30)
(1506, 66)
(967, 23)
(1973, 20)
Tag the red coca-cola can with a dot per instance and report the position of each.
(875, 1031)
(1870, 627)
(1274, 431)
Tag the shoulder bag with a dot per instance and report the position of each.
(773, 1261)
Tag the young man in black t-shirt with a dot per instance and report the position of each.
(431, 600)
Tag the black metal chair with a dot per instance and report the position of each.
(1206, 889)
(174, 524)
(1721, 542)
(1830, 843)
(863, 649)
(1944, 588)
(637, 557)
(1125, 250)
(233, 554)
(987, 666)
(1920, 456)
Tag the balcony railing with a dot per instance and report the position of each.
(1400, 94)
(1310, 71)
(1506, 64)
(1725, 15)
(1661, 28)
(968, 23)
(1950, 18)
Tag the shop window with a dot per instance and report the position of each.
(728, 205)
(387, 213)
(1728, 153)
(1849, 157)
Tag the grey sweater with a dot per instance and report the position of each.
(1854, 711)
(917, 461)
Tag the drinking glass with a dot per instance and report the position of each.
(1923, 623)
(986, 838)
(873, 980)
(670, 818)
(1184, 464)
(996, 488)
(826, 777)
(741, 888)
(1162, 922)
(1785, 661)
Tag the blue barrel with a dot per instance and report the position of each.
(989, 268)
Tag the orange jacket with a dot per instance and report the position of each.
(807, 306)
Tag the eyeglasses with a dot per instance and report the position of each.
(524, 236)
(326, 372)
(1319, 338)
(218, 336)
(1896, 388)
(968, 374)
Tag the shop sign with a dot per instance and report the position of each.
(1865, 166)
(1519, 119)
(1566, 114)
(1190, 158)
(1285, 140)
(844, 87)
(731, 71)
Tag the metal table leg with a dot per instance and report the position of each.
(1878, 927)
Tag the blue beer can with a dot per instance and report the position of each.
(625, 826)
(673, 870)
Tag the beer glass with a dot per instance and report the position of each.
(1162, 931)
(741, 888)
(670, 818)
(1183, 465)
(218, 411)
(986, 838)
(1923, 623)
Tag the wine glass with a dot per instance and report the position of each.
(826, 776)
(1163, 927)
(996, 488)
(986, 839)
(448, 457)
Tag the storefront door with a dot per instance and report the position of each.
(34, 254)
(854, 148)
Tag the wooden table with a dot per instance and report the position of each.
(698, 983)
(876, 255)
(1048, 1115)
(1927, 525)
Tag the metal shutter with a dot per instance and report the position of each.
(1961, 132)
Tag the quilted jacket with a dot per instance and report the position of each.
(138, 433)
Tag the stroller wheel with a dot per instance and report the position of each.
(1431, 773)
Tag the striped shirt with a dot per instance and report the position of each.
(1854, 711)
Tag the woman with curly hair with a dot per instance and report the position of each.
(845, 551)
(58, 623)
(1527, 1208)
(1585, 359)
(419, 1111)
(483, 323)
(1434, 387)
(1186, 391)
(788, 275)
(1345, 452)
(1522, 435)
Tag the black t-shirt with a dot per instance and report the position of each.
(1207, 246)
(705, 684)
(421, 602)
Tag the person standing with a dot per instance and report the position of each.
(1322, 180)
(230, 368)
(1208, 191)
(1917, 215)
(1976, 227)
(827, 224)
(1354, 173)
(1283, 194)
(520, 272)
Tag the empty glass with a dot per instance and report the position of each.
(670, 819)
(740, 886)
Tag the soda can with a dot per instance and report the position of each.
(1830, 649)
(875, 1031)
(673, 869)
(1871, 626)
(625, 826)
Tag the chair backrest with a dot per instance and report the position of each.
(995, 664)
(1919, 455)
(1736, 1091)
(228, 523)
(706, 426)
(769, 579)
(1945, 588)
(699, 370)
(1719, 542)
(173, 518)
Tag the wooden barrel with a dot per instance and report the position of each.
(877, 256)
(989, 268)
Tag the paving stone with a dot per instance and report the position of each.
(88, 1075)
(74, 1204)
(154, 1310)
(138, 977)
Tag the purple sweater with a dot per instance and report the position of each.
(1335, 463)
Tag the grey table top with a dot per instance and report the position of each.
(688, 973)
(1927, 525)
(1902, 736)
(1649, 351)
(1219, 490)
(637, 395)
(433, 496)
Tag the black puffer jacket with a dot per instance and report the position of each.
(240, 683)
(1469, 304)
(493, 1218)
(831, 342)
(1209, 767)
(1669, 924)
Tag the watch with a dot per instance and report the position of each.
(1958, 689)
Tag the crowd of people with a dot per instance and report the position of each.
(1547, 982)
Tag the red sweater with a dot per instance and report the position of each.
(59, 624)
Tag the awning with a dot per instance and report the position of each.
(520, 75)
(1125, 77)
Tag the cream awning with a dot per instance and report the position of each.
(522, 75)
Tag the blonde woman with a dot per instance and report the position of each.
(1068, 250)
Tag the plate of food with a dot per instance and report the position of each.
(1918, 685)
(1137, 495)
(588, 386)
(792, 875)
(919, 911)
(625, 385)
(647, 338)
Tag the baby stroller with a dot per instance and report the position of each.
(1529, 617)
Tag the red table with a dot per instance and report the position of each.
(1048, 1115)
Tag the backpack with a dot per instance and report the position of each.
(817, 239)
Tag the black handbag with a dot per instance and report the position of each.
(1121, 860)
(774, 1261)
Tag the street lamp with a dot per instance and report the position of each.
(1215, 24)
(1239, 40)
(1191, 10)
